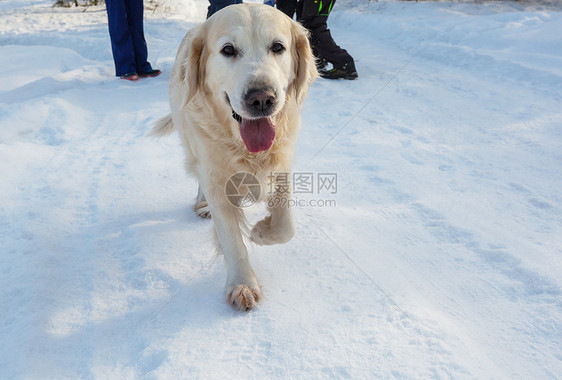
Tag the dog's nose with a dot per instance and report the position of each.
(260, 100)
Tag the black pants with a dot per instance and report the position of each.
(313, 15)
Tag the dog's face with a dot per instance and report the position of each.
(251, 59)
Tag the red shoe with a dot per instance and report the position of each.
(151, 73)
(130, 76)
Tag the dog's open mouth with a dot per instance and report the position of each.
(257, 134)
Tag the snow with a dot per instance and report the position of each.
(440, 259)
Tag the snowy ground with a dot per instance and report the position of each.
(441, 259)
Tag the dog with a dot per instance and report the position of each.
(236, 91)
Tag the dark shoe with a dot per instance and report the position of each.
(151, 73)
(321, 63)
(130, 76)
(346, 71)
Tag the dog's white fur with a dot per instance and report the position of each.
(205, 87)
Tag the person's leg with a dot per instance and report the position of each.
(217, 5)
(312, 8)
(323, 45)
(120, 36)
(298, 9)
(287, 6)
(314, 17)
(135, 11)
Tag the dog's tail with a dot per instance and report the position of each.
(163, 127)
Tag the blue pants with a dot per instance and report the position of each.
(125, 20)
(217, 5)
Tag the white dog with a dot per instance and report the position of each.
(236, 91)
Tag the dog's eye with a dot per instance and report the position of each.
(277, 48)
(229, 51)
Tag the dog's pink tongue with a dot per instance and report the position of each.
(257, 134)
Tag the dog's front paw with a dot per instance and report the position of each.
(264, 233)
(244, 297)
(202, 210)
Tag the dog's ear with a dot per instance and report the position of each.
(194, 61)
(304, 62)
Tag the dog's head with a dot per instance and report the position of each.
(249, 60)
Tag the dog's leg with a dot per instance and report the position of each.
(201, 207)
(242, 288)
(279, 226)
